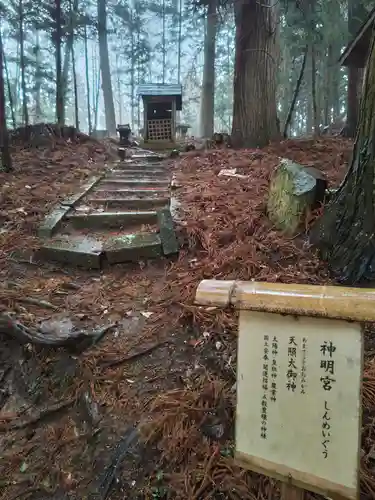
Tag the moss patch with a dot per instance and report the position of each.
(293, 192)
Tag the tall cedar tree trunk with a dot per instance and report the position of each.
(179, 41)
(163, 39)
(96, 102)
(16, 85)
(25, 112)
(38, 81)
(10, 94)
(73, 9)
(6, 160)
(345, 233)
(95, 74)
(118, 81)
(356, 16)
(327, 115)
(313, 92)
(138, 27)
(309, 105)
(288, 120)
(60, 105)
(69, 49)
(87, 82)
(132, 70)
(256, 65)
(65, 63)
(208, 84)
(110, 116)
(75, 86)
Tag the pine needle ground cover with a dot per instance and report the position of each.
(167, 368)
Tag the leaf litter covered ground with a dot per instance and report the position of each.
(166, 367)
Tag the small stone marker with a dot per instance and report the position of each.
(298, 382)
(167, 233)
(294, 191)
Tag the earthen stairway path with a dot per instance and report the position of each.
(119, 217)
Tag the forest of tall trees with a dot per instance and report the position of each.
(240, 63)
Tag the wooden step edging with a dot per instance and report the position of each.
(53, 220)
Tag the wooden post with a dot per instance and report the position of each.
(290, 492)
(145, 131)
(173, 121)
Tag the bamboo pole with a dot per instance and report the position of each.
(352, 304)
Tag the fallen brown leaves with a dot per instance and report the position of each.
(183, 430)
(41, 178)
(229, 237)
(225, 235)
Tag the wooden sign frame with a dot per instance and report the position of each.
(332, 303)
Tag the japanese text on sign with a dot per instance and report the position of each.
(263, 410)
(292, 367)
(287, 405)
(275, 350)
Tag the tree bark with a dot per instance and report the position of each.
(87, 82)
(76, 107)
(60, 105)
(356, 16)
(73, 10)
(295, 95)
(25, 112)
(132, 66)
(6, 160)
(69, 49)
(328, 93)
(10, 95)
(345, 233)
(110, 117)
(118, 83)
(179, 41)
(313, 92)
(309, 105)
(163, 39)
(256, 66)
(208, 84)
(38, 81)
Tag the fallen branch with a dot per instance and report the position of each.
(25, 335)
(101, 332)
(103, 489)
(42, 416)
(37, 302)
(132, 357)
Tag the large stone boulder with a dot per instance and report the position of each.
(294, 192)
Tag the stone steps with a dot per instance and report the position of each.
(131, 182)
(128, 193)
(139, 167)
(141, 173)
(109, 220)
(125, 216)
(130, 202)
(93, 251)
(144, 191)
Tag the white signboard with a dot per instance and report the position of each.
(299, 401)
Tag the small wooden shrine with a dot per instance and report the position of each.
(355, 54)
(160, 103)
